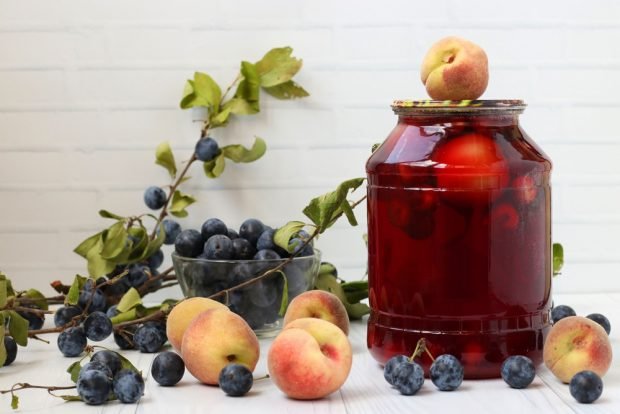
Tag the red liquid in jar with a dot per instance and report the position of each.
(459, 241)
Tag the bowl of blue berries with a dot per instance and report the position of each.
(245, 269)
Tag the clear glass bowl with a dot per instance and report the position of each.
(259, 302)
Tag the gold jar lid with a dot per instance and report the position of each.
(484, 106)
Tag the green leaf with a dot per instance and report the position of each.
(215, 168)
(165, 158)
(74, 291)
(207, 90)
(328, 268)
(238, 153)
(283, 235)
(71, 397)
(87, 245)
(249, 87)
(37, 297)
(139, 248)
(3, 294)
(2, 348)
(284, 302)
(558, 258)
(375, 146)
(221, 118)
(109, 215)
(277, 66)
(155, 243)
(240, 106)
(14, 401)
(329, 283)
(9, 287)
(327, 208)
(190, 99)
(287, 90)
(98, 265)
(179, 202)
(130, 300)
(74, 370)
(114, 240)
(18, 327)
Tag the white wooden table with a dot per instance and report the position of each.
(364, 392)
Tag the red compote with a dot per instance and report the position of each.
(459, 236)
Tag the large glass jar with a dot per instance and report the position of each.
(459, 236)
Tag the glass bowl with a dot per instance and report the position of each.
(258, 302)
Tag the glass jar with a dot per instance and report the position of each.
(459, 236)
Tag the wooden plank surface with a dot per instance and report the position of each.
(364, 392)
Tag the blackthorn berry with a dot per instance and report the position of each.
(219, 247)
(65, 314)
(518, 371)
(446, 372)
(128, 386)
(390, 365)
(138, 274)
(11, 350)
(251, 229)
(93, 387)
(232, 234)
(408, 377)
(561, 312)
(154, 197)
(266, 255)
(189, 243)
(155, 260)
(124, 337)
(297, 244)
(96, 366)
(243, 249)
(148, 338)
(211, 227)
(601, 320)
(586, 387)
(265, 240)
(34, 321)
(97, 326)
(72, 341)
(235, 380)
(172, 229)
(112, 311)
(108, 358)
(98, 302)
(168, 368)
(207, 149)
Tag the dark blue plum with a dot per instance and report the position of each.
(97, 326)
(408, 377)
(390, 365)
(242, 272)
(212, 227)
(155, 260)
(98, 302)
(586, 387)
(265, 240)
(251, 229)
(65, 314)
(160, 326)
(124, 337)
(138, 274)
(172, 229)
(168, 368)
(93, 387)
(128, 386)
(518, 371)
(560, 312)
(189, 243)
(148, 338)
(34, 321)
(154, 197)
(266, 254)
(11, 350)
(601, 320)
(207, 149)
(108, 358)
(96, 366)
(297, 244)
(446, 372)
(72, 341)
(232, 234)
(243, 249)
(219, 247)
(235, 380)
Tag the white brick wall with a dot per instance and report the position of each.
(88, 89)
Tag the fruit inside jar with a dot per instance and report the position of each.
(459, 236)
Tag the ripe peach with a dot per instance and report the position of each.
(576, 344)
(216, 338)
(455, 69)
(318, 304)
(309, 359)
(183, 313)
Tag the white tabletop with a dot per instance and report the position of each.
(365, 391)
